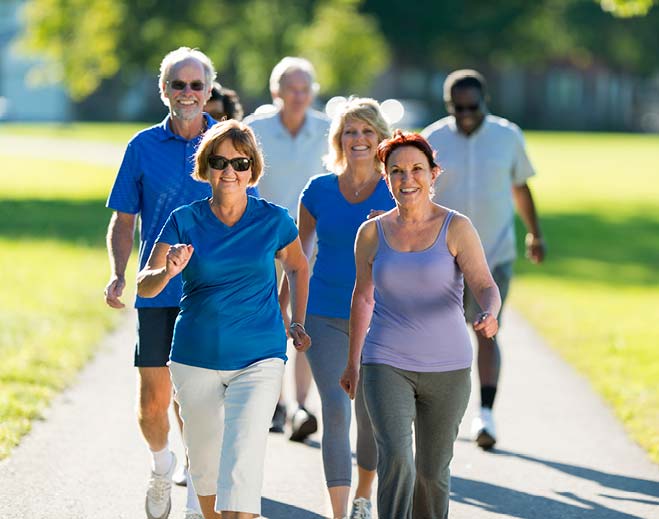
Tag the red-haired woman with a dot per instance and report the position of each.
(416, 356)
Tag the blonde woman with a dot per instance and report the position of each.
(332, 207)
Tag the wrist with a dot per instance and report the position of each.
(532, 239)
(297, 324)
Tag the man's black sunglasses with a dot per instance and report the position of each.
(220, 163)
(466, 108)
(179, 84)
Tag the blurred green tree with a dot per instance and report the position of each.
(347, 47)
(92, 40)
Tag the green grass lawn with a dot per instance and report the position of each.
(596, 299)
(52, 226)
(118, 133)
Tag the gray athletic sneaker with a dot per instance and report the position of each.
(361, 509)
(158, 496)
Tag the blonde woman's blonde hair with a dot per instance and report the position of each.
(363, 109)
(242, 138)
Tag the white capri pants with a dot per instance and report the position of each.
(226, 416)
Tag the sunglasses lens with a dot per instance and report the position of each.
(466, 108)
(240, 164)
(197, 85)
(177, 84)
(217, 162)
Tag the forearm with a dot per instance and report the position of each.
(150, 282)
(298, 280)
(284, 294)
(526, 210)
(119, 242)
(489, 299)
(361, 312)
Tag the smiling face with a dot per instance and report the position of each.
(409, 176)
(228, 180)
(359, 141)
(186, 104)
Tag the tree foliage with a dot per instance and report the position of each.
(349, 41)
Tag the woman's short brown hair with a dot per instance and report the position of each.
(243, 139)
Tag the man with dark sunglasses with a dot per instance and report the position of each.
(485, 171)
(153, 180)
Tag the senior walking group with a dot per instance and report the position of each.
(381, 317)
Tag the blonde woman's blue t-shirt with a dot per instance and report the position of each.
(337, 222)
(230, 316)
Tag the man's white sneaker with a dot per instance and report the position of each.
(192, 514)
(483, 430)
(158, 496)
(361, 509)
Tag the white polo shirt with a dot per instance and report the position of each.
(480, 171)
(289, 161)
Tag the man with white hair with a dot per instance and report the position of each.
(293, 140)
(153, 180)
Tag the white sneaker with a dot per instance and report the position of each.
(192, 514)
(180, 476)
(158, 496)
(483, 430)
(361, 509)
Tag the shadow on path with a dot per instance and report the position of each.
(514, 503)
(278, 510)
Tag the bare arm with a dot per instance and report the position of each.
(535, 245)
(361, 308)
(307, 227)
(165, 262)
(465, 245)
(296, 268)
(119, 240)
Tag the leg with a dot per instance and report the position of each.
(250, 397)
(154, 388)
(367, 455)
(200, 393)
(441, 403)
(154, 338)
(327, 358)
(390, 399)
(302, 378)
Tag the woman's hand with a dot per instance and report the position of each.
(301, 339)
(349, 380)
(178, 257)
(486, 324)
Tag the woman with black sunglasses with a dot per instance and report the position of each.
(229, 344)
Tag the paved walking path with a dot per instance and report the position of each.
(561, 453)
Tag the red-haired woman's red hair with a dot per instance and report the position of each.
(401, 138)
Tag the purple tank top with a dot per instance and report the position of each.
(418, 321)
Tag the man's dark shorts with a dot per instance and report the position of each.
(155, 328)
(502, 275)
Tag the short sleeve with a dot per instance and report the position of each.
(308, 198)
(287, 230)
(522, 167)
(170, 231)
(126, 193)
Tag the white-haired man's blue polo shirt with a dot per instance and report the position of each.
(153, 180)
(290, 161)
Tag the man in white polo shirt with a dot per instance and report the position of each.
(485, 169)
(293, 140)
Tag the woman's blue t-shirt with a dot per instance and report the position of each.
(230, 316)
(337, 222)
